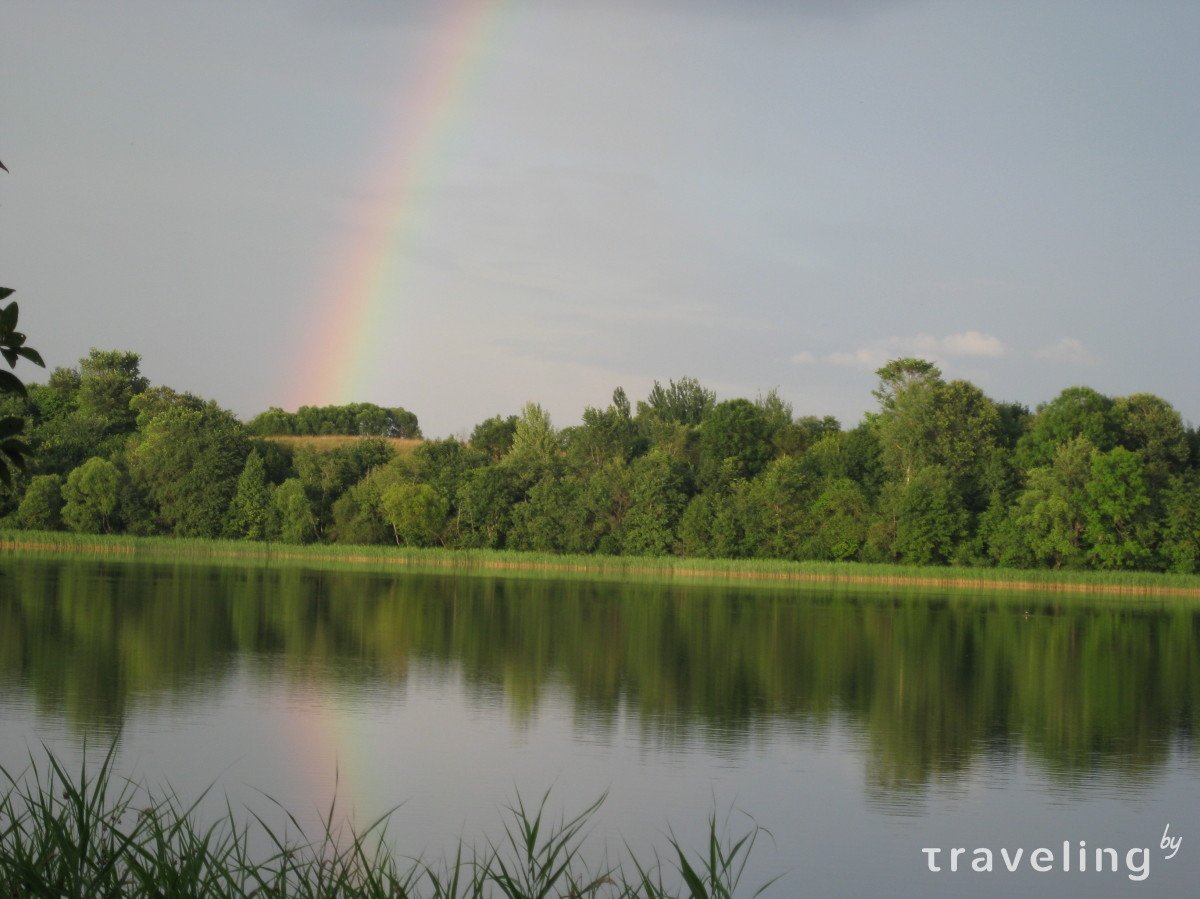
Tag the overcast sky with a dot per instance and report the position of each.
(756, 193)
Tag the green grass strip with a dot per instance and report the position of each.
(508, 562)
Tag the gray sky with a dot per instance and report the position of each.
(757, 193)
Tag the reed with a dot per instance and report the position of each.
(643, 569)
(95, 834)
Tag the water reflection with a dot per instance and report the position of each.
(931, 688)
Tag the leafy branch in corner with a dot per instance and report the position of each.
(13, 448)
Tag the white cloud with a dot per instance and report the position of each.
(878, 352)
(1070, 350)
(804, 358)
(863, 357)
(972, 343)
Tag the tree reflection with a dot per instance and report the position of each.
(933, 684)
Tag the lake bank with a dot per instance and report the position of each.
(850, 574)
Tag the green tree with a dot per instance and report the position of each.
(1181, 524)
(358, 513)
(900, 375)
(1152, 428)
(328, 473)
(485, 500)
(1075, 412)
(907, 395)
(1052, 510)
(798, 436)
(494, 436)
(735, 442)
(606, 434)
(250, 510)
(855, 455)
(444, 464)
(930, 520)
(696, 527)
(416, 512)
(293, 518)
(41, 507)
(108, 381)
(842, 515)
(535, 447)
(684, 402)
(774, 510)
(188, 462)
(554, 517)
(154, 401)
(1119, 524)
(658, 494)
(91, 494)
(924, 421)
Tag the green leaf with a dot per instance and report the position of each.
(8, 317)
(31, 354)
(11, 424)
(6, 292)
(10, 355)
(3, 166)
(10, 383)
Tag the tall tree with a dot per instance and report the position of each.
(108, 381)
(250, 509)
(684, 401)
(535, 447)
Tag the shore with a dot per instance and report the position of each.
(856, 574)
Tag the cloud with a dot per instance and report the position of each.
(878, 352)
(973, 343)
(804, 358)
(864, 357)
(1070, 350)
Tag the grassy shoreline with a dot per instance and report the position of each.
(508, 562)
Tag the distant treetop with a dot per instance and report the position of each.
(364, 419)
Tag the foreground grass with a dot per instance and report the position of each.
(95, 835)
(645, 569)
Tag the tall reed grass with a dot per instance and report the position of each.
(93, 834)
(642, 569)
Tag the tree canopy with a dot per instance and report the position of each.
(940, 473)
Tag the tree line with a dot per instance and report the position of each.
(939, 473)
(363, 419)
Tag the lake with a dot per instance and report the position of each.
(859, 727)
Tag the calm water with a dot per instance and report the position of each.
(857, 728)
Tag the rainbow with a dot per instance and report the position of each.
(343, 339)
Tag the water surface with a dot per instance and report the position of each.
(858, 727)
